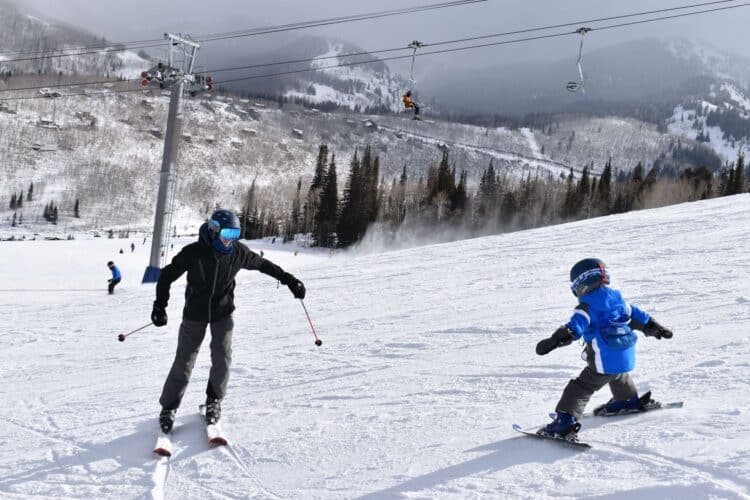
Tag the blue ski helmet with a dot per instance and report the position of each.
(225, 224)
(587, 275)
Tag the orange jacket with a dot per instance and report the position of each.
(408, 103)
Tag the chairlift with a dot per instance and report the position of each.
(409, 103)
(579, 85)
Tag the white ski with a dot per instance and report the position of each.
(163, 446)
(214, 432)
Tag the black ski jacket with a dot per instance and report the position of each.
(209, 294)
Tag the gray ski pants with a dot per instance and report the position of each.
(188, 344)
(579, 390)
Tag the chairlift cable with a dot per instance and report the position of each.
(434, 52)
(85, 50)
(491, 44)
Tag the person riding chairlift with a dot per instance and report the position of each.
(410, 104)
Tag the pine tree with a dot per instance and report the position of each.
(54, 215)
(313, 194)
(320, 167)
(76, 210)
(13, 201)
(293, 225)
(460, 196)
(571, 205)
(350, 205)
(729, 185)
(738, 185)
(325, 226)
(19, 200)
(30, 192)
(13, 223)
(604, 194)
(583, 192)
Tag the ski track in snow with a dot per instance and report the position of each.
(427, 360)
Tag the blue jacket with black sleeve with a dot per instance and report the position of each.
(116, 275)
(605, 321)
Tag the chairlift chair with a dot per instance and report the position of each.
(579, 85)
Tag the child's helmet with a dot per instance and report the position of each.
(587, 275)
(110, 264)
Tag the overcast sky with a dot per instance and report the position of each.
(123, 20)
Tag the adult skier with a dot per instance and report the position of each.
(211, 264)
(606, 322)
(116, 277)
(410, 104)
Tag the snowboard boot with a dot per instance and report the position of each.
(564, 425)
(213, 411)
(634, 404)
(166, 420)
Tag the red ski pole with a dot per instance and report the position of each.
(318, 342)
(123, 336)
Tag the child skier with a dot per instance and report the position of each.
(116, 277)
(410, 104)
(211, 264)
(606, 322)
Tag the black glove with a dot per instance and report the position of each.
(654, 329)
(563, 336)
(159, 315)
(297, 288)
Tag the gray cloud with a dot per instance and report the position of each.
(135, 19)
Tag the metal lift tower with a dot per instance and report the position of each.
(174, 76)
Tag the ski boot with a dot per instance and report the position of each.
(634, 404)
(563, 426)
(213, 411)
(166, 420)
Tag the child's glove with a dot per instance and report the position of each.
(654, 329)
(563, 336)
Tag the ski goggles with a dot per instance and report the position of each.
(589, 280)
(230, 233)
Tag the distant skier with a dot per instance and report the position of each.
(606, 322)
(211, 264)
(116, 277)
(132, 247)
(410, 104)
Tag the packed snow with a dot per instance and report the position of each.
(427, 360)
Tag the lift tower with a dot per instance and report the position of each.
(176, 74)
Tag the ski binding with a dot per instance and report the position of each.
(570, 439)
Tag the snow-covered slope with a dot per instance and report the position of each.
(428, 358)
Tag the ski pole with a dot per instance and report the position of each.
(318, 342)
(123, 336)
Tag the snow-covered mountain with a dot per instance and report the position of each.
(23, 37)
(427, 360)
(360, 87)
(721, 119)
(106, 151)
